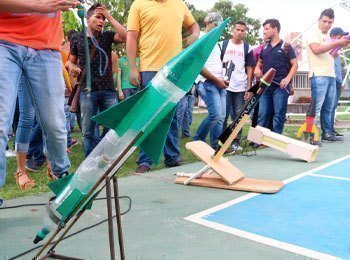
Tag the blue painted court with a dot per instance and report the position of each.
(309, 216)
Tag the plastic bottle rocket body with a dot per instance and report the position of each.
(149, 112)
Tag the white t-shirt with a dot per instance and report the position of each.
(213, 63)
(235, 53)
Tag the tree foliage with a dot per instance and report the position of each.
(238, 12)
(120, 11)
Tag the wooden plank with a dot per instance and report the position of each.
(228, 172)
(246, 184)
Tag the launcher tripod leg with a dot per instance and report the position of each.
(118, 217)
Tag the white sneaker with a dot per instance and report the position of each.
(10, 153)
(236, 147)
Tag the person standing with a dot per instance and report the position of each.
(30, 40)
(240, 55)
(103, 93)
(274, 100)
(337, 33)
(154, 29)
(211, 87)
(321, 72)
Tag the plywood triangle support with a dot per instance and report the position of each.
(228, 176)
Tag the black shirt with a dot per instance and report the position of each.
(105, 41)
(275, 57)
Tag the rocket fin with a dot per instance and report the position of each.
(58, 186)
(112, 116)
(153, 144)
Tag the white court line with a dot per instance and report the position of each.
(264, 240)
(330, 177)
(198, 218)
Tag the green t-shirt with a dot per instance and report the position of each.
(125, 72)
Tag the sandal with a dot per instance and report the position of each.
(23, 181)
(49, 173)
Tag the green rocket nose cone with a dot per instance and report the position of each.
(185, 67)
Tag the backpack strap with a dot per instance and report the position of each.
(223, 49)
(246, 50)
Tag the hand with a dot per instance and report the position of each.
(103, 11)
(344, 41)
(221, 83)
(189, 40)
(121, 96)
(247, 95)
(257, 73)
(48, 6)
(73, 70)
(135, 78)
(284, 83)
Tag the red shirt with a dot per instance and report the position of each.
(34, 30)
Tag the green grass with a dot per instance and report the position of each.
(10, 189)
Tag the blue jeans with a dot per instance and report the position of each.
(26, 118)
(337, 97)
(273, 103)
(36, 145)
(234, 105)
(129, 92)
(68, 121)
(172, 145)
(323, 90)
(184, 114)
(42, 70)
(90, 104)
(215, 100)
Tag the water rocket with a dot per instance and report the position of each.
(143, 121)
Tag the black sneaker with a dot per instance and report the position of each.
(142, 169)
(32, 166)
(331, 138)
(173, 165)
(338, 134)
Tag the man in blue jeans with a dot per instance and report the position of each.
(159, 29)
(321, 72)
(103, 93)
(33, 51)
(275, 98)
(211, 87)
(337, 33)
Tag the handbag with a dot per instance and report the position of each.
(74, 97)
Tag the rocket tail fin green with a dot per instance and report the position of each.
(58, 186)
(112, 116)
(154, 142)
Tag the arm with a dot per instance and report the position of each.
(220, 83)
(71, 66)
(194, 34)
(250, 75)
(317, 48)
(119, 85)
(41, 6)
(258, 69)
(131, 49)
(120, 31)
(284, 82)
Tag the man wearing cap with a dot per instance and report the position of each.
(321, 72)
(211, 86)
(337, 33)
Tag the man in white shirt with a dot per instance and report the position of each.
(238, 55)
(212, 89)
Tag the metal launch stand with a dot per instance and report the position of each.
(51, 253)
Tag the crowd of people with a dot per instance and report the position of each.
(39, 74)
